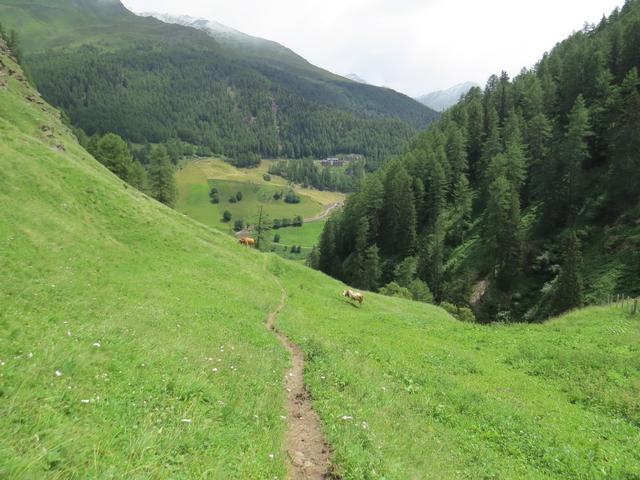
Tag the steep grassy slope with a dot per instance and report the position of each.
(133, 346)
(87, 261)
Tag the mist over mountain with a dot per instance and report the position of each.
(442, 99)
(356, 78)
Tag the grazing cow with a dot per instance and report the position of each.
(248, 241)
(356, 296)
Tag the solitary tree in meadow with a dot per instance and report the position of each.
(162, 182)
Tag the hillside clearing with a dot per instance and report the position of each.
(196, 178)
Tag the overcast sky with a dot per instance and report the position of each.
(413, 46)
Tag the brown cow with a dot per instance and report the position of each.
(357, 296)
(248, 241)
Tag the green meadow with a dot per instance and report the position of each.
(197, 178)
(133, 346)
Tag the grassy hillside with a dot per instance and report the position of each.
(88, 261)
(134, 347)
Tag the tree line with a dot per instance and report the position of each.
(307, 173)
(492, 204)
(210, 102)
(156, 177)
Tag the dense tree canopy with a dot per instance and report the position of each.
(491, 204)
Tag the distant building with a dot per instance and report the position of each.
(341, 160)
(332, 162)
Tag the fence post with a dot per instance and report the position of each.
(635, 306)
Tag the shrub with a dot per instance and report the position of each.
(276, 238)
(392, 289)
(239, 196)
(464, 314)
(233, 200)
(277, 223)
(277, 195)
(226, 216)
(297, 221)
(420, 291)
(286, 223)
(239, 225)
(291, 197)
(266, 177)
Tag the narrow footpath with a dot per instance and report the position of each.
(308, 452)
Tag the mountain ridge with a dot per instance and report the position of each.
(223, 96)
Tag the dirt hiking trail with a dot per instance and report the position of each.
(325, 213)
(308, 452)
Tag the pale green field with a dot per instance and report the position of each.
(134, 347)
(196, 178)
(306, 236)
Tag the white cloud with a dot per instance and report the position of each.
(411, 45)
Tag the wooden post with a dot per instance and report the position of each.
(635, 306)
(617, 299)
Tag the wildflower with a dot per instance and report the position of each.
(271, 456)
(347, 417)
(68, 333)
(2, 364)
(58, 373)
(96, 344)
(186, 420)
(215, 370)
(85, 401)
(365, 425)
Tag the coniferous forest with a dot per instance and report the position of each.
(519, 202)
(152, 82)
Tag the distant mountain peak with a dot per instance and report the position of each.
(442, 99)
(355, 78)
(210, 26)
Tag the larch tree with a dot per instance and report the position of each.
(568, 293)
(162, 182)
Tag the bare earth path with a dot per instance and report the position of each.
(308, 451)
(324, 214)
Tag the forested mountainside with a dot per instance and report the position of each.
(149, 81)
(523, 199)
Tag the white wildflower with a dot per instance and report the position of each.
(85, 401)
(68, 333)
(186, 420)
(346, 417)
(58, 373)
(96, 344)
(271, 456)
(215, 370)
(365, 425)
